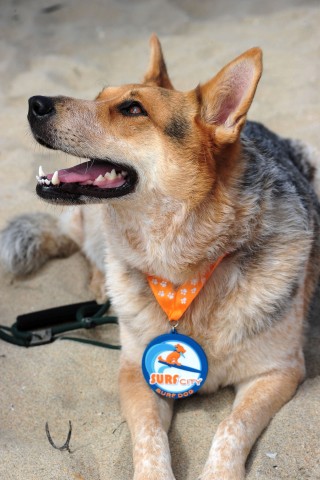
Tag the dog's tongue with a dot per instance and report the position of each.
(94, 172)
(81, 173)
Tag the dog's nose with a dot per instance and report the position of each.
(40, 106)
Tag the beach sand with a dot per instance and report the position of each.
(75, 48)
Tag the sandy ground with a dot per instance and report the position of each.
(75, 47)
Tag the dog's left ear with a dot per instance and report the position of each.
(226, 98)
(157, 71)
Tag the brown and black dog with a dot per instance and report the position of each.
(181, 180)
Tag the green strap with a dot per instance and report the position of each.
(84, 319)
(92, 342)
(11, 338)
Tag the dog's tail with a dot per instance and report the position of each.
(30, 240)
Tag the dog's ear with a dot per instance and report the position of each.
(157, 71)
(226, 98)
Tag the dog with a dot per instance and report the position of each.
(173, 357)
(179, 181)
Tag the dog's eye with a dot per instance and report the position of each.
(132, 109)
(135, 110)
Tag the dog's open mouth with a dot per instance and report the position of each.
(88, 181)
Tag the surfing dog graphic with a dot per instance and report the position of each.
(173, 358)
(164, 371)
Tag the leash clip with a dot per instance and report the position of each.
(41, 337)
(88, 322)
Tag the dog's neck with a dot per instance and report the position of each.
(162, 237)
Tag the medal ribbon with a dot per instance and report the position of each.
(176, 301)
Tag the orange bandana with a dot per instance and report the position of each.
(176, 301)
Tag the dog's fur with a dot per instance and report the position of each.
(210, 183)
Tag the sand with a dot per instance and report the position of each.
(75, 48)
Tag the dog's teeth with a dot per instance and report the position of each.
(47, 182)
(100, 179)
(55, 178)
(111, 175)
(38, 179)
(41, 172)
(124, 174)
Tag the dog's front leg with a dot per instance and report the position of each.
(255, 404)
(149, 417)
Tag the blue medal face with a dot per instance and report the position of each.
(174, 365)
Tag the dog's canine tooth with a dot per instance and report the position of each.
(113, 174)
(124, 174)
(41, 172)
(55, 178)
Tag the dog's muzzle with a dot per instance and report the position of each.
(89, 182)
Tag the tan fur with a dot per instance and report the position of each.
(186, 212)
(97, 286)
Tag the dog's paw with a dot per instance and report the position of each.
(154, 474)
(223, 473)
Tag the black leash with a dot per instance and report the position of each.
(45, 326)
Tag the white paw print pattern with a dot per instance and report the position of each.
(172, 299)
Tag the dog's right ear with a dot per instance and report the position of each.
(157, 71)
(226, 98)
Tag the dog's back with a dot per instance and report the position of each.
(282, 150)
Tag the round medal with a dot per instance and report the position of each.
(174, 365)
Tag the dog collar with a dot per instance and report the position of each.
(174, 365)
(175, 301)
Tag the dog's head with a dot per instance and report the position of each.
(180, 348)
(148, 137)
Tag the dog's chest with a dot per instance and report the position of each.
(222, 319)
